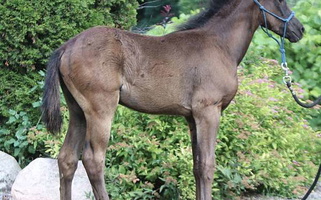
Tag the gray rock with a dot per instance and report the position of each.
(9, 169)
(40, 181)
(5, 196)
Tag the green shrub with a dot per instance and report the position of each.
(185, 6)
(22, 134)
(142, 153)
(17, 92)
(18, 96)
(306, 64)
(265, 137)
(158, 30)
(31, 30)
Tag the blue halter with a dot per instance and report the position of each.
(282, 38)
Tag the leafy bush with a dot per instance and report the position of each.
(185, 6)
(25, 140)
(260, 132)
(158, 30)
(31, 30)
(18, 96)
(21, 133)
(306, 64)
(142, 153)
(18, 92)
(292, 2)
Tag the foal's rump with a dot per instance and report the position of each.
(88, 65)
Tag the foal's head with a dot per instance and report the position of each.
(294, 29)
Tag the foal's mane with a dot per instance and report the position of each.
(200, 20)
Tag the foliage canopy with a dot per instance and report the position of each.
(31, 30)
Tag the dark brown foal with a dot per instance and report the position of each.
(191, 72)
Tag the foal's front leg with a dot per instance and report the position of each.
(204, 125)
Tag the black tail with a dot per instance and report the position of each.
(51, 115)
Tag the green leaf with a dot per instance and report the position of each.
(11, 120)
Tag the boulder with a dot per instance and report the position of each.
(9, 169)
(40, 181)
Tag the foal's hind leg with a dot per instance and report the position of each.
(204, 125)
(99, 120)
(70, 151)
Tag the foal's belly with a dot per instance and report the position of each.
(155, 99)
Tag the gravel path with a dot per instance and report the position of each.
(315, 195)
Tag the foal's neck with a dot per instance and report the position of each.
(235, 25)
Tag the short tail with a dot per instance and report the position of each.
(51, 114)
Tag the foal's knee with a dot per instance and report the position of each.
(204, 171)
